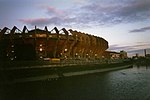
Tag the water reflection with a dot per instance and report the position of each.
(133, 83)
(125, 84)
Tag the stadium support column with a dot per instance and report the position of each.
(65, 49)
(2, 32)
(11, 43)
(47, 38)
(55, 48)
(76, 47)
(24, 31)
(2, 44)
(35, 43)
(73, 47)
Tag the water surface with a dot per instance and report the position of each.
(126, 84)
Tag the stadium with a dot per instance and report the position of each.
(44, 44)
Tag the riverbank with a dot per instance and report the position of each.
(66, 62)
(55, 71)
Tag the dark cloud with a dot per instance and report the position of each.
(99, 12)
(139, 51)
(118, 12)
(128, 47)
(140, 29)
(47, 21)
(119, 48)
(52, 10)
(38, 21)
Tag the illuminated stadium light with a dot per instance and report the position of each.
(66, 49)
(65, 56)
(40, 45)
(12, 51)
(41, 49)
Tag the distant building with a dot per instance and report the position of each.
(112, 55)
(137, 55)
(123, 54)
(115, 55)
(148, 55)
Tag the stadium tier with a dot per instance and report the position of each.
(44, 44)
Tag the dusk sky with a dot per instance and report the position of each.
(125, 24)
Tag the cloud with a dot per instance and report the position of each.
(144, 29)
(119, 48)
(79, 1)
(52, 10)
(38, 21)
(57, 21)
(118, 12)
(129, 47)
(98, 13)
(138, 51)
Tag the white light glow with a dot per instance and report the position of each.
(41, 49)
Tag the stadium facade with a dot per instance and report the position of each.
(38, 44)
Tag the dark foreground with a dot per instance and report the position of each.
(126, 84)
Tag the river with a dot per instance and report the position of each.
(126, 84)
